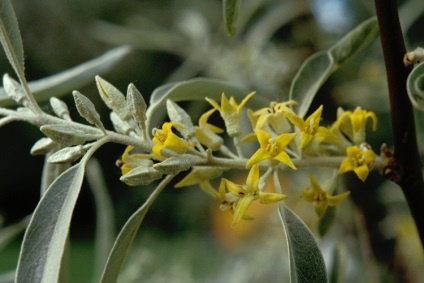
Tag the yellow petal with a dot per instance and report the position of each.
(285, 158)
(320, 208)
(244, 101)
(271, 197)
(235, 189)
(296, 120)
(260, 155)
(362, 172)
(252, 182)
(263, 138)
(336, 200)
(308, 194)
(241, 208)
(213, 103)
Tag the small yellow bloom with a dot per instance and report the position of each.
(230, 112)
(353, 124)
(249, 193)
(130, 161)
(321, 198)
(198, 175)
(165, 138)
(272, 118)
(206, 133)
(310, 127)
(359, 160)
(272, 148)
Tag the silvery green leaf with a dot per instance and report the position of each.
(74, 78)
(122, 127)
(415, 86)
(317, 68)
(127, 235)
(43, 246)
(68, 154)
(141, 176)
(230, 11)
(113, 98)
(87, 110)
(43, 146)
(176, 164)
(10, 38)
(136, 104)
(196, 90)
(305, 258)
(14, 90)
(44, 241)
(60, 108)
(177, 114)
(68, 134)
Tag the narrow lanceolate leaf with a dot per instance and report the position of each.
(87, 110)
(317, 68)
(126, 236)
(44, 241)
(68, 134)
(230, 11)
(415, 86)
(74, 78)
(10, 37)
(306, 261)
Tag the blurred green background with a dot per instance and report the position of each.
(178, 40)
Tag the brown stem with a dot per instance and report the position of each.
(407, 163)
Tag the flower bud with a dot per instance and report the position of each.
(180, 116)
(60, 108)
(68, 134)
(87, 110)
(175, 164)
(42, 146)
(136, 105)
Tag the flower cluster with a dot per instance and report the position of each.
(286, 141)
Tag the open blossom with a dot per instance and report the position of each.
(248, 193)
(359, 160)
(310, 127)
(272, 118)
(353, 124)
(320, 197)
(165, 138)
(272, 148)
(230, 112)
(206, 133)
(130, 161)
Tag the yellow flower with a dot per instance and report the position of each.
(321, 198)
(248, 193)
(272, 148)
(353, 124)
(206, 133)
(230, 112)
(309, 128)
(130, 161)
(359, 160)
(165, 138)
(201, 176)
(272, 118)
